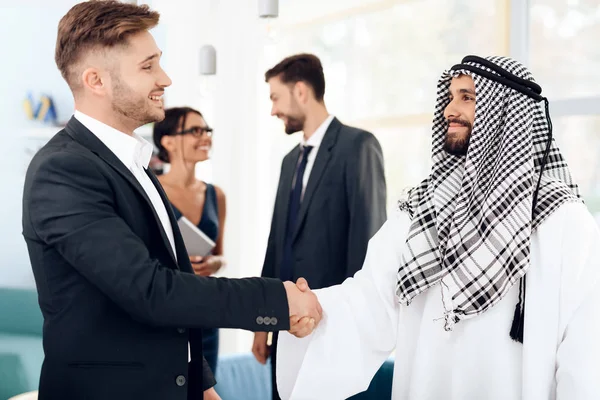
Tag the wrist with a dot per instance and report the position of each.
(290, 288)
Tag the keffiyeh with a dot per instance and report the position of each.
(472, 219)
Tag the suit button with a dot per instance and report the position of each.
(260, 320)
(181, 330)
(274, 321)
(267, 321)
(180, 380)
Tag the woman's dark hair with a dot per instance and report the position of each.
(174, 122)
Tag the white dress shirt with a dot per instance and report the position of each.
(363, 322)
(135, 153)
(314, 141)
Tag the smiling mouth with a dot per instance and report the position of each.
(453, 127)
(156, 99)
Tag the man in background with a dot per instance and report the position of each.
(331, 196)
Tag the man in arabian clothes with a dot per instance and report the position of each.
(485, 282)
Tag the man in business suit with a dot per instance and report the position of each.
(331, 195)
(117, 291)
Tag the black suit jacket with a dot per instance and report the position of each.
(118, 308)
(342, 208)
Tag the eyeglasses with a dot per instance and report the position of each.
(196, 131)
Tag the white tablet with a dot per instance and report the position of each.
(196, 242)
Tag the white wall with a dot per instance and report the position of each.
(232, 102)
(28, 30)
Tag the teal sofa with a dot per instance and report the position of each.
(21, 352)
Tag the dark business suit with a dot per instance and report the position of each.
(118, 308)
(343, 207)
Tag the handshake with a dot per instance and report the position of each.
(305, 315)
(305, 310)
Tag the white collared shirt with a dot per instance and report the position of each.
(314, 141)
(135, 153)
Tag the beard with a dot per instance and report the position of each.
(294, 124)
(456, 143)
(132, 106)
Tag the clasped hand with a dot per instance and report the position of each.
(305, 314)
(305, 310)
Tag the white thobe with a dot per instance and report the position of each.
(363, 323)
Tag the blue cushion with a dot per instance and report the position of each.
(240, 376)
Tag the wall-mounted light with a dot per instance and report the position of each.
(208, 60)
(268, 8)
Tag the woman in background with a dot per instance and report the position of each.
(184, 139)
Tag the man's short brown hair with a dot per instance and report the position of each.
(97, 24)
(305, 68)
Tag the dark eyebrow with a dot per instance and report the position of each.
(152, 57)
(469, 91)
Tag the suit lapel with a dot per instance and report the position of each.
(323, 157)
(81, 134)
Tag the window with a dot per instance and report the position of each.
(565, 56)
(382, 62)
(578, 138)
(565, 59)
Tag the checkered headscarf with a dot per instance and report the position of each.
(471, 219)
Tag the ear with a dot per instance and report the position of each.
(168, 143)
(302, 92)
(95, 81)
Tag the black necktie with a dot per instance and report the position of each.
(294, 207)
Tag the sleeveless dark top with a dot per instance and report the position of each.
(209, 223)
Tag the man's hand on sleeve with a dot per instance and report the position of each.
(305, 310)
(260, 348)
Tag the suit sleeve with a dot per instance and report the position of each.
(366, 188)
(71, 208)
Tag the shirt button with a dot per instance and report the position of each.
(180, 380)
(267, 321)
(260, 320)
(181, 330)
(274, 321)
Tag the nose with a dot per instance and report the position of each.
(274, 111)
(164, 80)
(451, 111)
